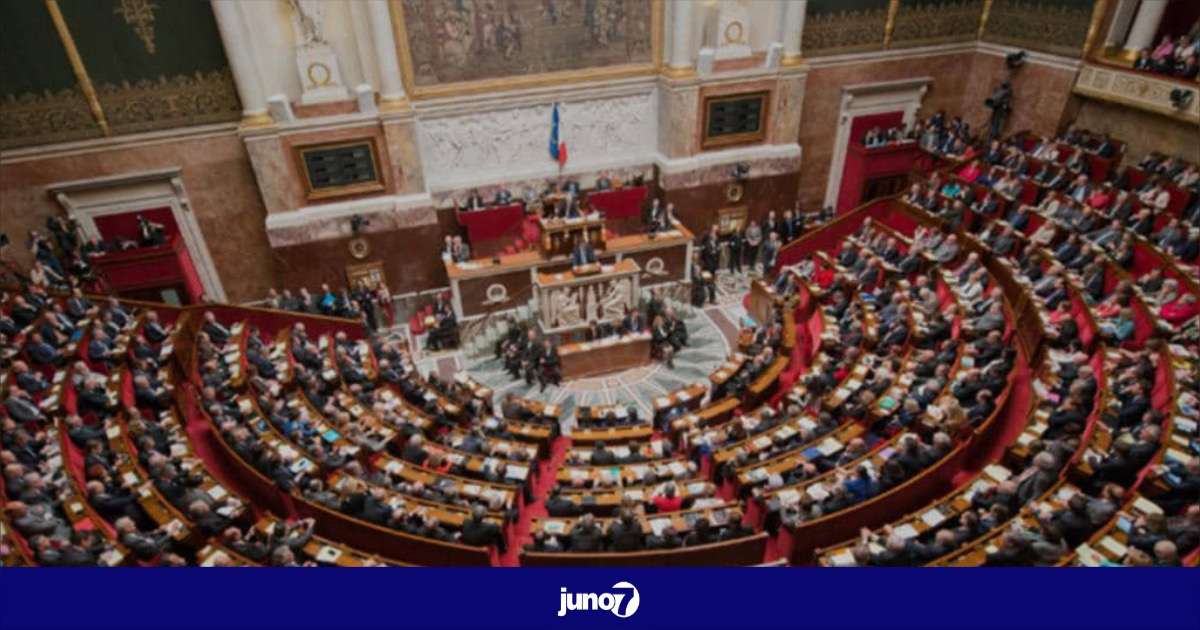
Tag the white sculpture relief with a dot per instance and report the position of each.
(308, 20)
(507, 143)
(616, 299)
(496, 294)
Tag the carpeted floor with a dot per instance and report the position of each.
(712, 334)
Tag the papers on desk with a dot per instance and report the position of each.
(554, 527)
(906, 531)
(997, 472)
(762, 442)
(393, 466)
(842, 558)
(933, 517)
(178, 450)
(657, 525)
(130, 478)
(517, 472)
(217, 493)
(662, 402)
(1064, 494)
(471, 489)
(1114, 546)
(789, 497)
(211, 560)
(1088, 557)
(697, 488)
(635, 495)
(328, 555)
(817, 492)
(829, 446)
(1146, 506)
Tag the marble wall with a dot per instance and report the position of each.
(1040, 93)
(220, 186)
(1142, 131)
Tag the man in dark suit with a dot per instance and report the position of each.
(20, 408)
(414, 451)
(583, 254)
(601, 456)
(42, 353)
(216, 332)
(586, 536)
(503, 196)
(560, 507)
(710, 251)
(474, 201)
(479, 532)
(625, 533)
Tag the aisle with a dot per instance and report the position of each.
(547, 473)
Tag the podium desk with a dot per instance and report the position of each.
(558, 235)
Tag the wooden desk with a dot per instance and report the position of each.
(607, 355)
(762, 301)
(569, 301)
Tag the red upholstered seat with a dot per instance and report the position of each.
(415, 326)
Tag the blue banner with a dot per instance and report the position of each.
(695, 599)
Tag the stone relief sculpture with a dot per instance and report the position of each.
(309, 20)
(616, 299)
(493, 143)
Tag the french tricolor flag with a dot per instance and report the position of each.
(558, 140)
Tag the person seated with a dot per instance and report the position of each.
(549, 365)
(474, 201)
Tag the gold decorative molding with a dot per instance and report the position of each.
(929, 23)
(983, 17)
(1094, 26)
(893, 8)
(139, 15)
(456, 88)
(395, 104)
(31, 119)
(258, 119)
(81, 75)
(789, 61)
(679, 72)
(1039, 25)
(187, 99)
(844, 32)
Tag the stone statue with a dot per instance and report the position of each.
(309, 19)
(615, 299)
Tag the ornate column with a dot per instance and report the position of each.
(1122, 17)
(681, 39)
(391, 86)
(1145, 25)
(236, 38)
(793, 30)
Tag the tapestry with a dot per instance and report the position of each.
(467, 40)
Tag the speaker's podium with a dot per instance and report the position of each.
(559, 235)
(569, 300)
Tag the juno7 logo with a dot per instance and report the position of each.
(602, 601)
